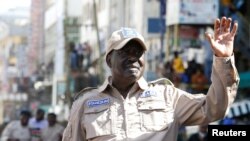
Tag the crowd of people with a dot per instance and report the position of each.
(191, 78)
(37, 128)
(80, 56)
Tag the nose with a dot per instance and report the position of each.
(134, 53)
(132, 58)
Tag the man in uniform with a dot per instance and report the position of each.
(126, 107)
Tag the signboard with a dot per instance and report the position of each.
(156, 25)
(192, 11)
(189, 36)
(244, 80)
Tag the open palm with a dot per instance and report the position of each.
(223, 39)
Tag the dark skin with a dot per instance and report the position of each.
(127, 66)
(40, 115)
(24, 120)
(51, 119)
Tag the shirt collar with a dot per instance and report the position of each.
(142, 83)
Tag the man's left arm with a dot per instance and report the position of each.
(191, 109)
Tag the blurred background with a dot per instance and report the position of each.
(52, 49)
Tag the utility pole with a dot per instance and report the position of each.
(99, 64)
(96, 28)
(68, 98)
(163, 28)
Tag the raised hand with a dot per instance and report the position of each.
(223, 39)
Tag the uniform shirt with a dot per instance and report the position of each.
(52, 133)
(14, 130)
(150, 112)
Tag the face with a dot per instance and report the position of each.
(51, 120)
(127, 63)
(40, 115)
(24, 120)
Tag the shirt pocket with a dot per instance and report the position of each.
(97, 121)
(155, 115)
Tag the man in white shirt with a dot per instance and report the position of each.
(54, 131)
(18, 130)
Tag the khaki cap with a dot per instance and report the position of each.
(121, 37)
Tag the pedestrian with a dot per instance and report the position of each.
(18, 130)
(36, 124)
(54, 131)
(127, 107)
(178, 67)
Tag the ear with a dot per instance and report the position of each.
(108, 60)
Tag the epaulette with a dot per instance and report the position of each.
(161, 81)
(82, 92)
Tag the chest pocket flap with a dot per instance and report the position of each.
(97, 121)
(155, 115)
(151, 105)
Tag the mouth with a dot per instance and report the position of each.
(133, 67)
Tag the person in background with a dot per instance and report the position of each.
(54, 131)
(18, 130)
(199, 81)
(127, 107)
(208, 61)
(201, 135)
(178, 67)
(36, 124)
(74, 61)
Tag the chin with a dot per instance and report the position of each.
(134, 76)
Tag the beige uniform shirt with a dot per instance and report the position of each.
(150, 112)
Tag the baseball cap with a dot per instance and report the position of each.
(121, 37)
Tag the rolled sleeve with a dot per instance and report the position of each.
(192, 109)
(226, 66)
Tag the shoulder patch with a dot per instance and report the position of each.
(161, 81)
(82, 92)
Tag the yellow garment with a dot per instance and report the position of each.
(226, 2)
(178, 65)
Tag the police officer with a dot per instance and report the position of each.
(126, 107)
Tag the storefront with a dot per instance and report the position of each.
(186, 24)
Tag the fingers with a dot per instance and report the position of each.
(223, 25)
(228, 25)
(210, 39)
(234, 30)
(216, 28)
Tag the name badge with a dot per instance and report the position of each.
(149, 93)
(94, 103)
